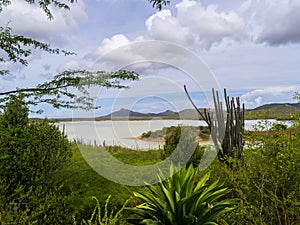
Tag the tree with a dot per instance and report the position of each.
(17, 49)
(59, 92)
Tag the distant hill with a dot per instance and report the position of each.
(126, 113)
(123, 114)
(274, 110)
(288, 106)
(267, 111)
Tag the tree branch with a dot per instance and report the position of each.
(58, 94)
(24, 90)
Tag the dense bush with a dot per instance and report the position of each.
(30, 151)
(30, 154)
(268, 185)
(183, 140)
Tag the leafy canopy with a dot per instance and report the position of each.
(60, 91)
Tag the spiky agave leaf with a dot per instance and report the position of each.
(182, 199)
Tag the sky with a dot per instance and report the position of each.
(251, 48)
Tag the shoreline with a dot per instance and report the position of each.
(162, 139)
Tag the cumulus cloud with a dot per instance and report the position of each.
(273, 22)
(30, 20)
(194, 24)
(119, 52)
(107, 45)
(163, 26)
(261, 21)
(153, 57)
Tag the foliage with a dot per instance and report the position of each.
(204, 132)
(11, 45)
(182, 199)
(69, 89)
(269, 183)
(135, 157)
(42, 206)
(106, 218)
(43, 4)
(158, 4)
(18, 48)
(182, 139)
(60, 91)
(155, 134)
(171, 140)
(297, 96)
(84, 182)
(30, 155)
(29, 151)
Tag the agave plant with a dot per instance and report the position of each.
(182, 200)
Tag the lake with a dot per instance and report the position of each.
(123, 132)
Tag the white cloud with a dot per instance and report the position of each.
(195, 24)
(30, 20)
(274, 22)
(163, 26)
(268, 95)
(107, 45)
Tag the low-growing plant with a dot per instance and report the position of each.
(182, 199)
(103, 218)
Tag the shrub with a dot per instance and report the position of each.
(268, 185)
(30, 154)
(146, 134)
(182, 199)
(29, 151)
(183, 140)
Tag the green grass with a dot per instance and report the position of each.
(84, 182)
(134, 157)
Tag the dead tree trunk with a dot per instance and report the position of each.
(227, 134)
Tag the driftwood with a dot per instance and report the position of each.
(227, 134)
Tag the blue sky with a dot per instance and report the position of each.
(250, 47)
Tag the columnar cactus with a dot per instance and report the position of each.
(227, 134)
